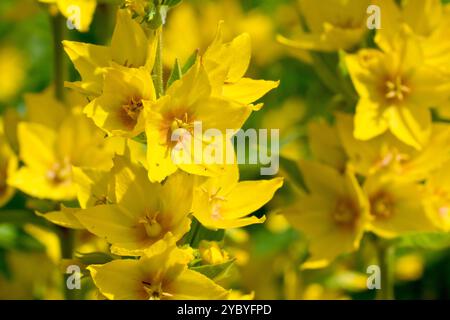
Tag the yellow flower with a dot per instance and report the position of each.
(8, 165)
(336, 25)
(396, 207)
(427, 20)
(437, 202)
(387, 154)
(50, 151)
(129, 51)
(226, 65)
(12, 76)
(160, 275)
(325, 145)
(197, 23)
(223, 203)
(119, 110)
(409, 267)
(94, 187)
(80, 12)
(332, 215)
(287, 118)
(145, 214)
(211, 253)
(396, 91)
(187, 101)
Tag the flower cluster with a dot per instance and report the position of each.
(381, 168)
(107, 148)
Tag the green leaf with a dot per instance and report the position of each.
(94, 258)
(14, 238)
(216, 271)
(21, 217)
(141, 138)
(426, 240)
(190, 62)
(175, 75)
(4, 268)
(199, 233)
(171, 3)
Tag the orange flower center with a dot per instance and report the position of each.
(345, 212)
(154, 290)
(152, 225)
(60, 172)
(130, 112)
(396, 89)
(382, 205)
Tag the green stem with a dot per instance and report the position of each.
(58, 25)
(67, 243)
(158, 70)
(333, 81)
(66, 236)
(386, 262)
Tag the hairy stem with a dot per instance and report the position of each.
(158, 71)
(59, 67)
(66, 236)
(386, 262)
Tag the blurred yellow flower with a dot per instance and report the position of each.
(198, 24)
(391, 209)
(332, 215)
(437, 202)
(287, 119)
(396, 92)
(409, 267)
(8, 166)
(325, 145)
(387, 154)
(333, 26)
(12, 77)
(49, 151)
(79, 12)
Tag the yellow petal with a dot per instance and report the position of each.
(240, 204)
(64, 218)
(232, 115)
(247, 90)
(119, 280)
(112, 222)
(89, 60)
(132, 186)
(130, 46)
(411, 124)
(36, 145)
(83, 10)
(37, 103)
(191, 285)
(369, 120)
